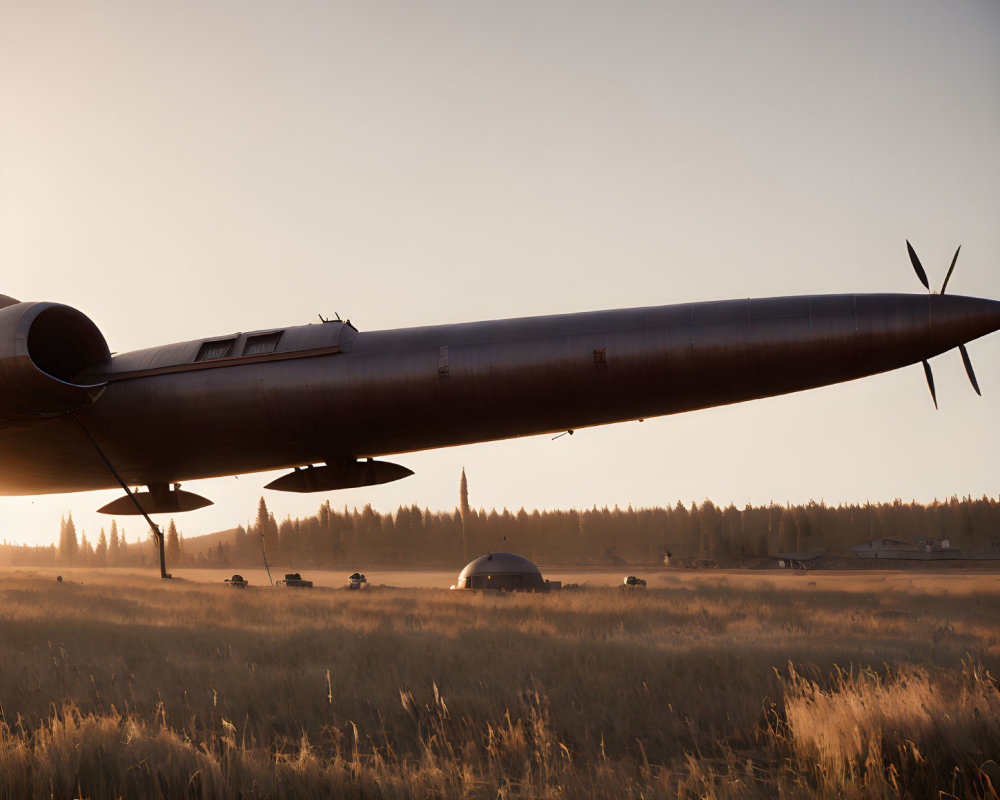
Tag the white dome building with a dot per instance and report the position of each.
(505, 572)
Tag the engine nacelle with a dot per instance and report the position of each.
(44, 347)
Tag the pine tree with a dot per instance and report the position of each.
(265, 532)
(803, 534)
(261, 523)
(70, 546)
(173, 545)
(698, 543)
(731, 540)
(63, 550)
(245, 546)
(273, 538)
(114, 546)
(85, 555)
(463, 498)
(101, 553)
(788, 532)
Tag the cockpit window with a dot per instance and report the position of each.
(261, 343)
(221, 348)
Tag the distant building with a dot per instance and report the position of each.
(503, 572)
(919, 549)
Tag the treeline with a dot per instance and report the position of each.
(108, 550)
(419, 537)
(705, 532)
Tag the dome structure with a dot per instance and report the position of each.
(503, 572)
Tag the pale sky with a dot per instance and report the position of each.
(188, 169)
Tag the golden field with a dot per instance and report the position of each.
(869, 684)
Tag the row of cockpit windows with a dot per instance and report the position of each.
(258, 344)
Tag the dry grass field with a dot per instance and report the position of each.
(706, 685)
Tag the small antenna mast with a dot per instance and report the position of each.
(263, 555)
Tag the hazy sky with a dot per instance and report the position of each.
(187, 169)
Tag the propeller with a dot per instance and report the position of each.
(917, 266)
(930, 381)
(951, 269)
(922, 275)
(968, 368)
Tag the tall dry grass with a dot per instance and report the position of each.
(897, 732)
(123, 686)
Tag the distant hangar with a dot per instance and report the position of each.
(919, 549)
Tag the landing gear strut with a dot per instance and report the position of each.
(157, 533)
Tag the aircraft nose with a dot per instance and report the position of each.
(955, 320)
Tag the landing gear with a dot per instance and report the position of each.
(159, 546)
(157, 533)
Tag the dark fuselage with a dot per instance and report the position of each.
(327, 392)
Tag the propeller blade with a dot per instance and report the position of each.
(951, 269)
(968, 368)
(930, 381)
(917, 266)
